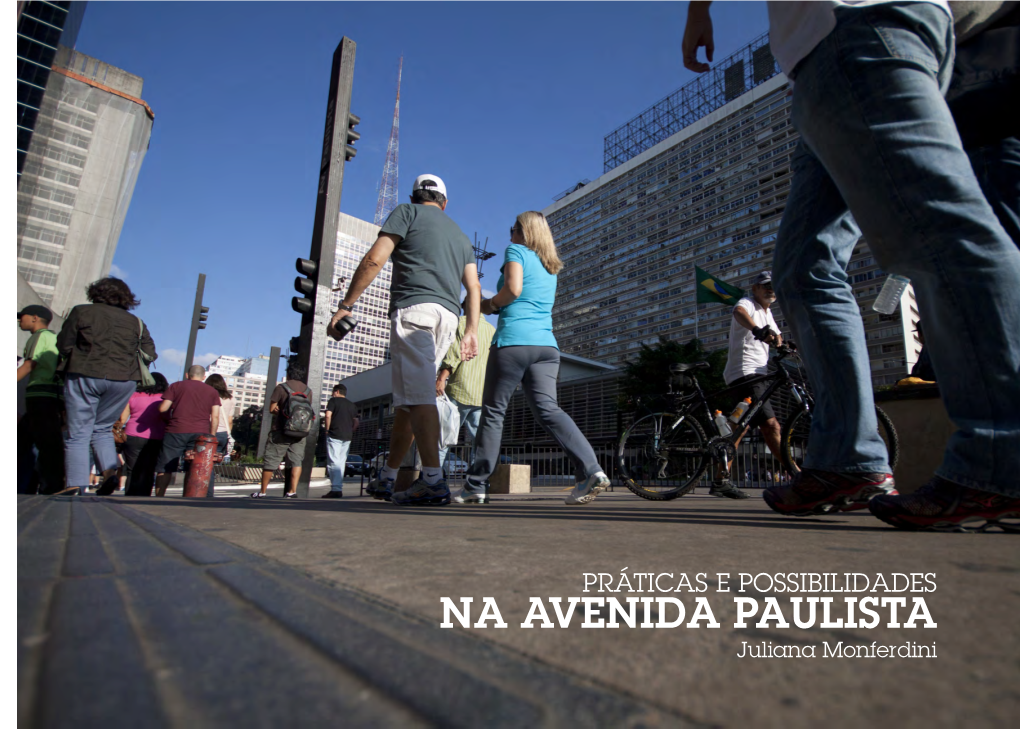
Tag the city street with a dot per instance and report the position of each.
(237, 612)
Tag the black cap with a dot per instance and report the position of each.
(764, 277)
(38, 310)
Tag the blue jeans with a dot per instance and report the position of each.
(469, 418)
(338, 451)
(877, 139)
(92, 405)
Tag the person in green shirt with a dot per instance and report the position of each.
(41, 425)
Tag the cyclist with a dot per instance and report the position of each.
(752, 330)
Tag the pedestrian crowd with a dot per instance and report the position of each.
(91, 404)
(897, 142)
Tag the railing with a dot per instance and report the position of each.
(245, 472)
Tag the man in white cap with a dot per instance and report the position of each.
(752, 330)
(431, 259)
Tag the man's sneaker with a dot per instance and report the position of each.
(725, 488)
(420, 493)
(586, 491)
(820, 492)
(478, 494)
(333, 494)
(290, 495)
(381, 489)
(256, 495)
(869, 494)
(945, 506)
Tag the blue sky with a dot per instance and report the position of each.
(507, 102)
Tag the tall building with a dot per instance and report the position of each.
(42, 27)
(246, 379)
(699, 179)
(91, 135)
(225, 365)
(368, 345)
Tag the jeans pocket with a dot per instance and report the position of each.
(420, 320)
(914, 32)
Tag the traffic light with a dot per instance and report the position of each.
(353, 120)
(202, 317)
(305, 286)
(198, 318)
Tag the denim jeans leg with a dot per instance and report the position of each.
(997, 167)
(115, 394)
(868, 103)
(337, 454)
(80, 403)
(503, 374)
(816, 240)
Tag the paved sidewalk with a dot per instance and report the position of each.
(255, 613)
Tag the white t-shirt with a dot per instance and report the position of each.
(795, 28)
(226, 411)
(747, 355)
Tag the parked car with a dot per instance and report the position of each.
(455, 467)
(376, 465)
(355, 466)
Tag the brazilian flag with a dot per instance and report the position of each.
(711, 290)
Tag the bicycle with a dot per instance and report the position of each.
(664, 454)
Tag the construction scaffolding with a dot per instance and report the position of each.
(750, 66)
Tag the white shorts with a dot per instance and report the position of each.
(420, 335)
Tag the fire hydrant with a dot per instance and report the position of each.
(203, 459)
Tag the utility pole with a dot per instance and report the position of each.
(198, 318)
(316, 281)
(267, 418)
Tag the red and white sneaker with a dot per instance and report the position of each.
(815, 492)
(946, 506)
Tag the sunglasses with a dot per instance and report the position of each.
(514, 229)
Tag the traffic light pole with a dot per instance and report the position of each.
(196, 321)
(336, 150)
(267, 418)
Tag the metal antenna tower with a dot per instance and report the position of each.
(388, 189)
(482, 253)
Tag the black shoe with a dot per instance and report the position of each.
(725, 488)
(333, 494)
(110, 483)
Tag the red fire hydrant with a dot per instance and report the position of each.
(203, 459)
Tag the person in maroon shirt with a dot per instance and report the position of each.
(194, 409)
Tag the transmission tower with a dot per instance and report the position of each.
(388, 188)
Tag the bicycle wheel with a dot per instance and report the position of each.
(797, 429)
(662, 456)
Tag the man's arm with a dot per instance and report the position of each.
(165, 405)
(744, 320)
(469, 342)
(25, 368)
(329, 418)
(442, 379)
(354, 425)
(364, 275)
(698, 33)
(214, 419)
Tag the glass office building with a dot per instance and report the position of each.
(699, 179)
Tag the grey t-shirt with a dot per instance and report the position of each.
(428, 264)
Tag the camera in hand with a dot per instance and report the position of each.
(344, 326)
(762, 333)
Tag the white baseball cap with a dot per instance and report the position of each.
(429, 182)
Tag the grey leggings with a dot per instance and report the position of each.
(536, 368)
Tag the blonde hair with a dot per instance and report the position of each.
(539, 239)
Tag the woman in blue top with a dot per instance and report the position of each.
(524, 351)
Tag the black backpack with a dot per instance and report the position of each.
(298, 414)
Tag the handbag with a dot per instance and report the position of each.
(119, 434)
(145, 380)
(449, 422)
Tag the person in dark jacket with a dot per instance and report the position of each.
(99, 344)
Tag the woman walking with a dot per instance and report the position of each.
(100, 343)
(524, 351)
(144, 427)
(226, 419)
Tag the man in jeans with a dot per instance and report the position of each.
(462, 382)
(877, 139)
(44, 405)
(280, 446)
(194, 409)
(341, 422)
(431, 259)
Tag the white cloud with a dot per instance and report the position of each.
(171, 358)
(121, 274)
(487, 293)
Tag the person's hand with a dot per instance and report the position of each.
(469, 346)
(698, 33)
(331, 329)
(441, 385)
(487, 307)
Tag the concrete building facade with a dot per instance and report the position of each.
(710, 195)
(246, 378)
(91, 134)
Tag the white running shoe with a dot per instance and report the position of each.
(586, 491)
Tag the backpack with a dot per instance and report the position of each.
(298, 414)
